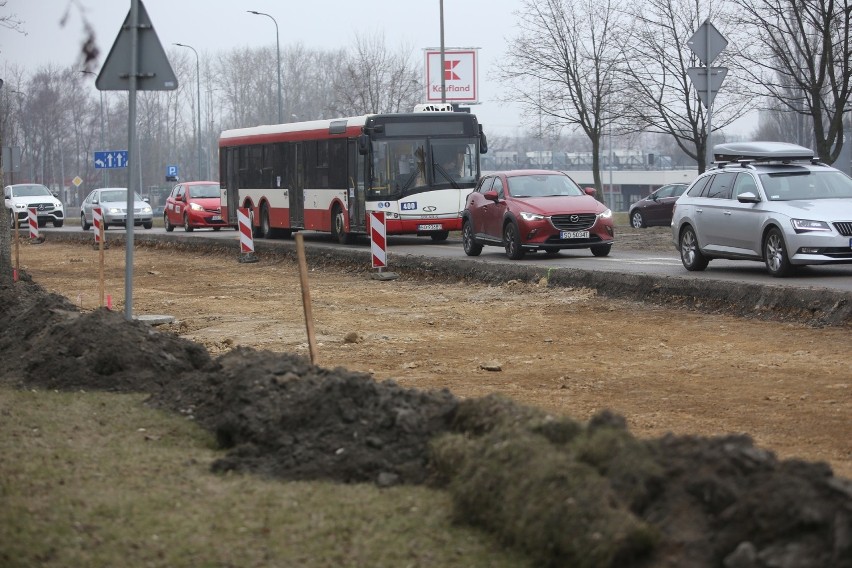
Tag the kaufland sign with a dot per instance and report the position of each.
(460, 71)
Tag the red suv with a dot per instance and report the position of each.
(529, 210)
(195, 205)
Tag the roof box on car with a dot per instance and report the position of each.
(761, 151)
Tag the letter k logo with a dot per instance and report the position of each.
(449, 74)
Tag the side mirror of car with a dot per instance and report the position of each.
(146, 200)
(590, 191)
(748, 197)
(491, 195)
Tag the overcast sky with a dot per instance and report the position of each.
(213, 25)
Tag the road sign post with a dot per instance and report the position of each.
(707, 43)
(136, 61)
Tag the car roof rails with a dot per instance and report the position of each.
(745, 153)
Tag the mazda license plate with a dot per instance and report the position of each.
(574, 235)
(432, 227)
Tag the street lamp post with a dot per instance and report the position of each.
(105, 171)
(198, 110)
(278, 54)
(443, 62)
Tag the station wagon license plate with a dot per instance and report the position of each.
(574, 235)
(432, 227)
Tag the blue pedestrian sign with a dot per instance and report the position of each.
(111, 159)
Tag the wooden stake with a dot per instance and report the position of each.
(17, 246)
(306, 297)
(101, 262)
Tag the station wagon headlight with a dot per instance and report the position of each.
(115, 211)
(147, 209)
(531, 216)
(808, 226)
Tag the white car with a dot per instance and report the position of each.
(766, 201)
(113, 204)
(20, 197)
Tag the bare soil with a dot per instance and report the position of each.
(566, 351)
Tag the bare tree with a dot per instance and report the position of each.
(656, 58)
(800, 52)
(374, 79)
(11, 21)
(568, 48)
(235, 70)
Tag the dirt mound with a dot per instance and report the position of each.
(57, 347)
(281, 416)
(568, 493)
(593, 495)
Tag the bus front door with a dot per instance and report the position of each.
(297, 186)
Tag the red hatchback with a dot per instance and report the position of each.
(529, 210)
(195, 205)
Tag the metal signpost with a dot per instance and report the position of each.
(136, 61)
(707, 43)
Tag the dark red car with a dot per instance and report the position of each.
(530, 210)
(195, 205)
(656, 209)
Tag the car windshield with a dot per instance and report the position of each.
(201, 191)
(116, 195)
(30, 190)
(806, 184)
(543, 186)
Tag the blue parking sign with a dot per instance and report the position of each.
(171, 171)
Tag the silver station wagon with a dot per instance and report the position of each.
(766, 201)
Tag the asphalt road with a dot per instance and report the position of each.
(656, 263)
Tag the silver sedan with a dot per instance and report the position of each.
(113, 204)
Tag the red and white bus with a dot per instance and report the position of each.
(328, 175)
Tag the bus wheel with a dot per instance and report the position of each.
(440, 236)
(338, 226)
(265, 227)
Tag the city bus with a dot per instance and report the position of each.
(329, 175)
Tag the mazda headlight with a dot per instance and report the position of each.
(605, 215)
(809, 226)
(531, 216)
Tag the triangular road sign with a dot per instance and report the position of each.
(699, 77)
(154, 70)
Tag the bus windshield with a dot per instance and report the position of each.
(405, 166)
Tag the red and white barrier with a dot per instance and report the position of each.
(97, 220)
(246, 239)
(378, 239)
(33, 218)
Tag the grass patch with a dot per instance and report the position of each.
(97, 479)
